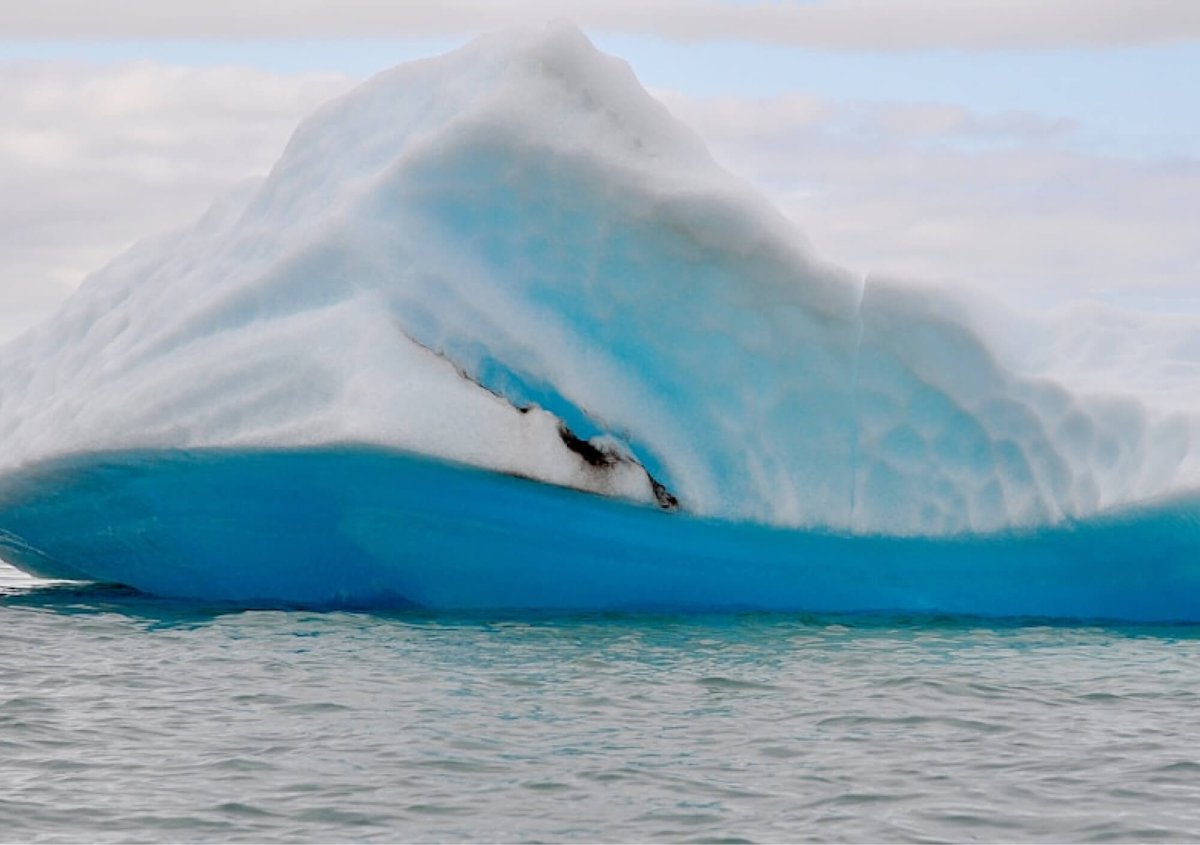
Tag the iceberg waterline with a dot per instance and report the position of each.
(512, 258)
(368, 527)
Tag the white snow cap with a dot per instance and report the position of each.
(467, 252)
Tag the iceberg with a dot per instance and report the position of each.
(496, 332)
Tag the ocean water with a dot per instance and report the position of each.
(128, 718)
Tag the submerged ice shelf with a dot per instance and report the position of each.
(370, 527)
(512, 258)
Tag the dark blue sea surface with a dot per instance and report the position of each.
(128, 718)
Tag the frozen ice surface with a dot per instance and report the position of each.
(363, 527)
(467, 256)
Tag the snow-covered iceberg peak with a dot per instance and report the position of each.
(512, 256)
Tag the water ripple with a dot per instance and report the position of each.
(124, 718)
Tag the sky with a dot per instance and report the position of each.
(1042, 149)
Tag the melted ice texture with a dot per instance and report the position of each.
(521, 212)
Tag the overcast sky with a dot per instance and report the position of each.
(884, 25)
(1042, 147)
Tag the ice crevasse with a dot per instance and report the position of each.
(512, 258)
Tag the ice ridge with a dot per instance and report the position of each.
(513, 257)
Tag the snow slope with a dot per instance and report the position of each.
(467, 256)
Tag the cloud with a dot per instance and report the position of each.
(829, 24)
(1002, 202)
(94, 158)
